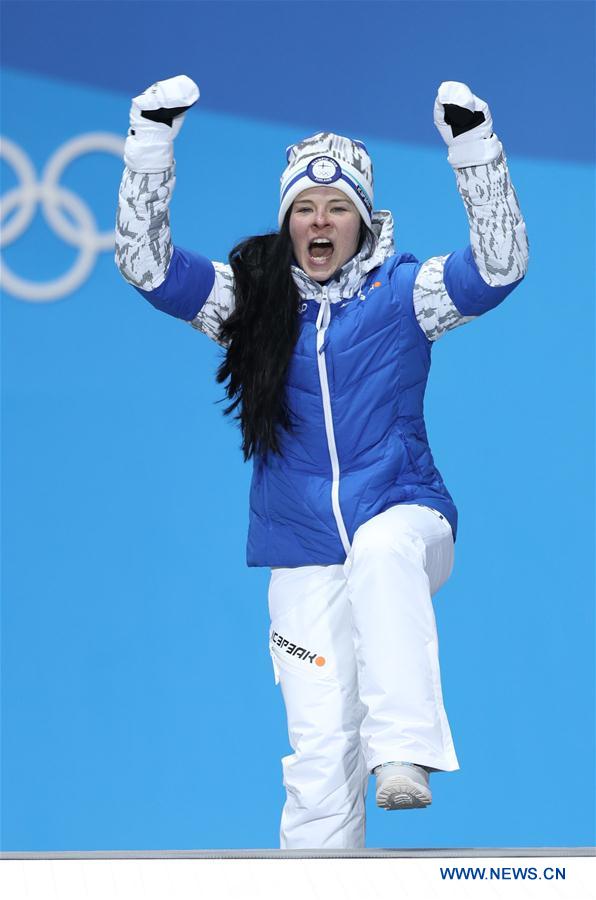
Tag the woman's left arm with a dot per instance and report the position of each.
(451, 290)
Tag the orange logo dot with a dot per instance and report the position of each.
(320, 661)
(377, 284)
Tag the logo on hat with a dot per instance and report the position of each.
(323, 170)
(362, 194)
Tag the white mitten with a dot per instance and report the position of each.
(156, 117)
(466, 125)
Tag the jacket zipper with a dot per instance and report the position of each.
(323, 320)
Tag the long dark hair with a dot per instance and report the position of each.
(260, 335)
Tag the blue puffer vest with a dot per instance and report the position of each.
(355, 392)
(355, 389)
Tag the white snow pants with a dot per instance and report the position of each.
(355, 650)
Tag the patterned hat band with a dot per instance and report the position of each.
(329, 160)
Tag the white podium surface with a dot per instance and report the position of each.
(566, 873)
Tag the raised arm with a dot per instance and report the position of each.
(176, 281)
(453, 289)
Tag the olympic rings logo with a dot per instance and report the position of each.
(54, 198)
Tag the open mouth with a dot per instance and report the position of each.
(320, 250)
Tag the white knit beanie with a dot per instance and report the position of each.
(327, 159)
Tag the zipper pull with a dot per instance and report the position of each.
(324, 315)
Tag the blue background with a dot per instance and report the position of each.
(139, 709)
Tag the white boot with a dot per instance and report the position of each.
(402, 785)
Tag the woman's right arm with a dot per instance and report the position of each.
(179, 282)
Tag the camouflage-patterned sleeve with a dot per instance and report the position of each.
(144, 251)
(497, 228)
(448, 294)
(218, 305)
(434, 308)
(143, 242)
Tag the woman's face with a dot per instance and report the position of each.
(324, 228)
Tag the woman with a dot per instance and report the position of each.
(328, 333)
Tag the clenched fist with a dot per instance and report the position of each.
(156, 117)
(465, 123)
